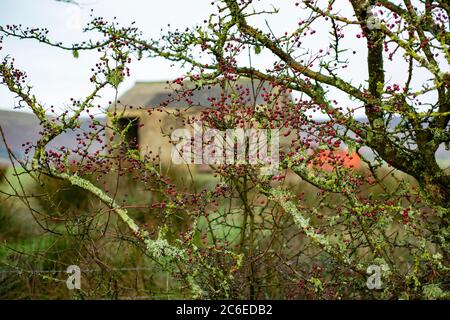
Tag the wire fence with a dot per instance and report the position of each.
(17, 271)
(163, 294)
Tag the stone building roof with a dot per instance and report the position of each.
(153, 94)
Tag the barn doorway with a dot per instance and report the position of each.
(131, 125)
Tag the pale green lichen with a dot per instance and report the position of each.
(434, 292)
(159, 249)
(283, 199)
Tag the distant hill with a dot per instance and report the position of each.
(22, 127)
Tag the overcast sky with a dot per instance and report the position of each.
(57, 76)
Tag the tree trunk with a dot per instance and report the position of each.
(436, 189)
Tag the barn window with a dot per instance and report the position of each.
(132, 131)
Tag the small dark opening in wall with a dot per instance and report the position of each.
(132, 131)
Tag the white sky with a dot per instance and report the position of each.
(57, 76)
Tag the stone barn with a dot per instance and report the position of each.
(149, 130)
